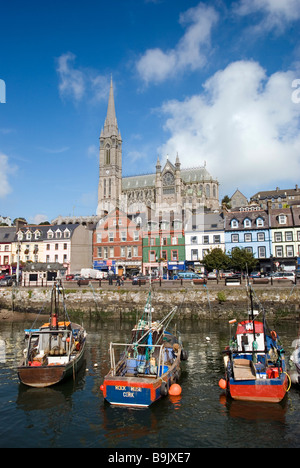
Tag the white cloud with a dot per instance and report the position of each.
(277, 14)
(244, 125)
(38, 219)
(80, 83)
(190, 52)
(5, 170)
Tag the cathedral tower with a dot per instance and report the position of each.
(110, 177)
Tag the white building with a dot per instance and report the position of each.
(203, 232)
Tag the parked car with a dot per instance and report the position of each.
(255, 274)
(188, 275)
(7, 281)
(226, 273)
(283, 275)
(139, 278)
(211, 275)
(69, 277)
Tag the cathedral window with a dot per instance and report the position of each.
(107, 155)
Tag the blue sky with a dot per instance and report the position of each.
(217, 82)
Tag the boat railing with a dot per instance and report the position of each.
(130, 346)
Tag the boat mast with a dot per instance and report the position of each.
(54, 310)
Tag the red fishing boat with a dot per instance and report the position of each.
(254, 362)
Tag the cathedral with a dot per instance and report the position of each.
(170, 187)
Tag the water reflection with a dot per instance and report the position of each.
(74, 414)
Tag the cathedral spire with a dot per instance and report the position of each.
(111, 125)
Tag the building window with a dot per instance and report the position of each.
(123, 236)
(279, 251)
(99, 238)
(110, 236)
(174, 240)
(262, 252)
(282, 219)
(289, 251)
(298, 235)
(152, 256)
(217, 239)
(175, 255)
(129, 253)
(248, 237)
(259, 222)
(289, 236)
(234, 237)
(278, 236)
(234, 224)
(123, 252)
(105, 252)
(111, 252)
(247, 222)
(99, 252)
(164, 255)
(249, 249)
(194, 255)
(135, 235)
(194, 240)
(135, 251)
(260, 236)
(205, 239)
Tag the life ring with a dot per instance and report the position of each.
(273, 335)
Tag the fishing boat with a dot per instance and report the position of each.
(143, 370)
(295, 361)
(55, 351)
(255, 368)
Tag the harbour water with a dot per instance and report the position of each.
(75, 415)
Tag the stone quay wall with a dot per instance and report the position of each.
(194, 301)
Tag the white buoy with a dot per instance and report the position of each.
(207, 338)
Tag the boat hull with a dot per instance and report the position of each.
(138, 391)
(46, 376)
(259, 390)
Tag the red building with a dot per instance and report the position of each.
(117, 244)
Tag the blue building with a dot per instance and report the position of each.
(248, 228)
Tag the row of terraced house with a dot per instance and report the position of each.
(131, 244)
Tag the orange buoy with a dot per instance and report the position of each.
(175, 390)
(222, 384)
(101, 388)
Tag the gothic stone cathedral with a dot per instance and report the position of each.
(169, 188)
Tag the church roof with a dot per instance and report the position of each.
(189, 176)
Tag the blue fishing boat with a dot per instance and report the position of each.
(143, 370)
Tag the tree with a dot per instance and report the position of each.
(216, 259)
(242, 259)
(227, 201)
